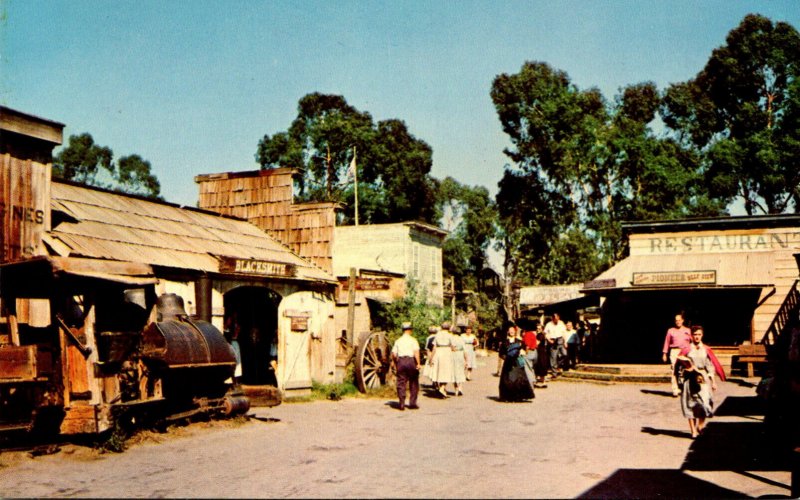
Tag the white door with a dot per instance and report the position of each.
(295, 322)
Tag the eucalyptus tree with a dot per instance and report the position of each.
(393, 166)
(741, 114)
(580, 166)
(84, 161)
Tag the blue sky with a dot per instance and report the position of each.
(193, 86)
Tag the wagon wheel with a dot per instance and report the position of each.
(373, 362)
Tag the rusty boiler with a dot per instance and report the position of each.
(192, 358)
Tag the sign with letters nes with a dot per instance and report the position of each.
(256, 267)
(24, 207)
(675, 278)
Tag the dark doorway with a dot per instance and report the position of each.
(634, 323)
(255, 311)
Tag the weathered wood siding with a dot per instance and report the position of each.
(24, 207)
(265, 199)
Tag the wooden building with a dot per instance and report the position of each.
(412, 249)
(222, 266)
(729, 274)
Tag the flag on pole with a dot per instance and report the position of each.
(351, 170)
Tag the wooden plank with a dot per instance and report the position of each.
(752, 359)
(77, 370)
(753, 350)
(18, 362)
(79, 419)
(32, 126)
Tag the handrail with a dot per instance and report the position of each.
(789, 307)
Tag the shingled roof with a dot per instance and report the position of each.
(101, 224)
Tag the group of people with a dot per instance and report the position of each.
(450, 359)
(694, 370)
(552, 348)
(528, 357)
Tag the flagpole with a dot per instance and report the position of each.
(355, 178)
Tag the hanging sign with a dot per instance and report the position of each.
(256, 267)
(368, 284)
(675, 278)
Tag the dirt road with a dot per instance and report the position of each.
(574, 439)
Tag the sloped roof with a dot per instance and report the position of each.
(732, 269)
(106, 225)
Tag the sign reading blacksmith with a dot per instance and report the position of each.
(256, 267)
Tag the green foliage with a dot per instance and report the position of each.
(581, 166)
(393, 165)
(412, 307)
(88, 163)
(487, 312)
(333, 392)
(472, 217)
(741, 116)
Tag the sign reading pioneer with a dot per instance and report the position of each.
(675, 278)
(256, 267)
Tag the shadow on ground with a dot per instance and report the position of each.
(741, 406)
(735, 446)
(656, 483)
(667, 432)
(739, 447)
(658, 393)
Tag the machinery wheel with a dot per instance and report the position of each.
(373, 366)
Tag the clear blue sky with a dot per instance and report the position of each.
(192, 86)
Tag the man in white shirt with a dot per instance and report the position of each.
(554, 332)
(405, 354)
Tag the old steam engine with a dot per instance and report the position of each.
(82, 350)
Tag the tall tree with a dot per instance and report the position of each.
(88, 163)
(393, 165)
(582, 165)
(742, 115)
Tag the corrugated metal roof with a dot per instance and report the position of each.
(732, 269)
(115, 226)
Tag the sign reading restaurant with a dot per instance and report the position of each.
(728, 241)
(257, 267)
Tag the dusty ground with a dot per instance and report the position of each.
(573, 440)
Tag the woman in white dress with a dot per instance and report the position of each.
(470, 341)
(442, 371)
(427, 370)
(459, 362)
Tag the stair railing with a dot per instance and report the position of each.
(788, 310)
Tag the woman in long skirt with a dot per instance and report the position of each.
(470, 341)
(514, 382)
(699, 369)
(442, 372)
(459, 362)
(427, 370)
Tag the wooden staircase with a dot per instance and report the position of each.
(784, 320)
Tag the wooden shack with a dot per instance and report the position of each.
(227, 270)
